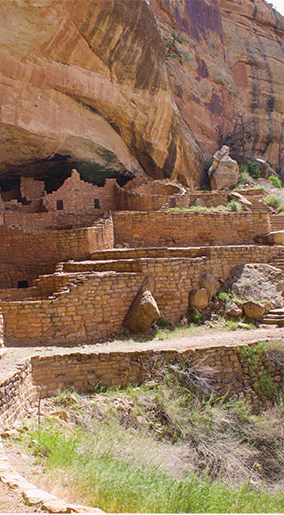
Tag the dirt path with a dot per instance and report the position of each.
(185, 339)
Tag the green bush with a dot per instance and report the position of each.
(222, 295)
(251, 168)
(245, 178)
(235, 206)
(275, 181)
(275, 201)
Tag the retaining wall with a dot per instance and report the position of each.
(228, 375)
(187, 228)
(84, 371)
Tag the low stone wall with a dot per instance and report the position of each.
(19, 246)
(228, 374)
(218, 198)
(85, 371)
(140, 200)
(85, 314)
(17, 393)
(187, 228)
(45, 221)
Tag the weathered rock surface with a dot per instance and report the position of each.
(254, 309)
(88, 84)
(85, 83)
(199, 298)
(257, 282)
(143, 313)
(224, 171)
(234, 65)
(233, 310)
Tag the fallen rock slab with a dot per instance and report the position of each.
(37, 496)
(254, 310)
(199, 299)
(143, 313)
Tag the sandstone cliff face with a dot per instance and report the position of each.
(87, 84)
(236, 65)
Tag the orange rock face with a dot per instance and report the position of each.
(87, 84)
(235, 65)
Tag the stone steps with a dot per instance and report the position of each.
(275, 317)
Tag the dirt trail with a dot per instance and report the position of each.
(200, 338)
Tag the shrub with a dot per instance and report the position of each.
(252, 169)
(275, 201)
(163, 322)
(222, 295)
(275, 181)
(235, 206)
(245, 178)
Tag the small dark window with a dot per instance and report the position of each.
(173, 202)
(59, 205)
(23, 284)
(96, 203)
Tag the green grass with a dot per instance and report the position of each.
(116, 486)
(275, 181)
(233, 205)
(275, 201)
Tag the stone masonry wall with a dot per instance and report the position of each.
(18, 246)
(219, 260)
(52, 220)
(86, 313)
(84, 371)
(154, 200)
(30, 188)
(97, 307)
(11, 273)
(81, 197)
(187, 228)
(17, 393)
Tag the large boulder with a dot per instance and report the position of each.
(199, 298)
(224, 171)
(143, 313)
(254, 309)
(257, 282)
(233, 310)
